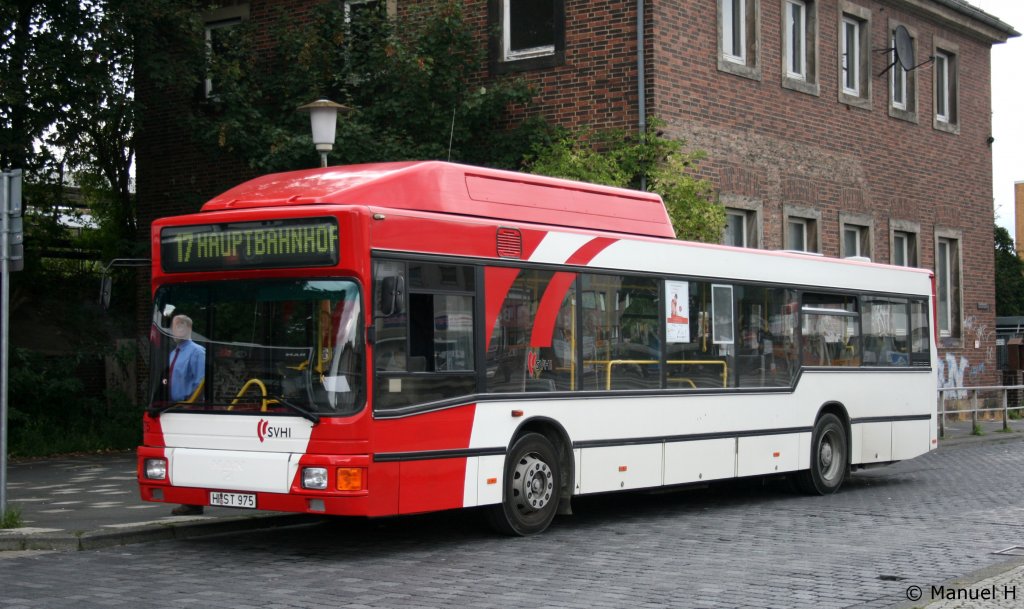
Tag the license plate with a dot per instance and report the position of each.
(235, 500)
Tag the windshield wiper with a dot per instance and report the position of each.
(312, 416)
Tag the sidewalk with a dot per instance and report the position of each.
(92, 501)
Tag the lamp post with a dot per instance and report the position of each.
(323, 117)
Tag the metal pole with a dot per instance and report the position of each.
(1006, 423)
(974, 410)
(942, 413)
(5, 298)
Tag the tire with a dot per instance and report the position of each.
(531, 488)
(829, 458)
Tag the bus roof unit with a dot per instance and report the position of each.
(461, 190)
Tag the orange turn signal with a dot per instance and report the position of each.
(349, 478)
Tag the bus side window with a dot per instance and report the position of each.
(425, 344)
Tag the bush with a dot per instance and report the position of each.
(50, 411)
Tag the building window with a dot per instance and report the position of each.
(800, 45)
(734, 43)
(902, 84)
(856, 242)
(796, 39)
(530, 34)
(903, 243)
(855, 235)
(942, 87)
(904, 252)
(801, 226)
(902, 248)
(947, 283)
(855, 55)
(946, 85)
(217, 33)
(851, 56)
(899, 86)
(741, 229)
(357, 9)
(739, 37)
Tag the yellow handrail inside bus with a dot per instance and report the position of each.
(195, 394)
(245, 387)
(609, 364)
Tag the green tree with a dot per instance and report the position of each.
(67, 113)
(413, 85)
(1009, 275)
(659, 164)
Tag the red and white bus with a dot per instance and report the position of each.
(406, 337)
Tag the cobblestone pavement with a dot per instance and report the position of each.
(920, 523)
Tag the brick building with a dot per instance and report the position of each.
(813, 144)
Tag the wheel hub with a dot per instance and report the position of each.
(826, 455)
(533, 484)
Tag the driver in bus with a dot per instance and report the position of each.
(186, 363)
(185, 373)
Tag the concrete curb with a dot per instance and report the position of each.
(65, 542)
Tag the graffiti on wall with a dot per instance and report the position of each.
(951, 374)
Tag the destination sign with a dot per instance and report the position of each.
(290, 242)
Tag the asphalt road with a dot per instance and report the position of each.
(742, 544)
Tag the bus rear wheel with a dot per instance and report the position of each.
(531, 487)
(829, 461)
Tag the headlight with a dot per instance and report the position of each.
(156, 469)
(314, 477)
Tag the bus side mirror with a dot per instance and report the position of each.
(392, 296)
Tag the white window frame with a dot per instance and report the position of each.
(851, 57)
(801, 224)
(948, 281)
(208, 29)
(942, 86)
(805, 220)
(905, 109)
(348, 4)
(901, 244)
(789, 25)
(858, 234)
(506, 39)
(216, 19)
(862, 227)
(899, 76)
(910, 234)
(944, 285)
(741, 215)
(730, 20)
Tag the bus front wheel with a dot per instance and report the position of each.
(531, 487)
(829, 461)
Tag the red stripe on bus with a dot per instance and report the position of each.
(497, 282)
(554, 295)
(547, 311)
(590, 249)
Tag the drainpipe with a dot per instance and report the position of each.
(641, 77)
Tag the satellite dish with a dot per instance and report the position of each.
(904, 48)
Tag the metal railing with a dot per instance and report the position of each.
(969, 396)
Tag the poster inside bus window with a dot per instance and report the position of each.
(677, 314)
(287, 242)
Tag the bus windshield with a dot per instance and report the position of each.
(271, 346)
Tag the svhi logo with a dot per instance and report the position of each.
(265, 432)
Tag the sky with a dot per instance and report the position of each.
(1007, 110)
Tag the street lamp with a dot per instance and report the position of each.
(323, 116)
